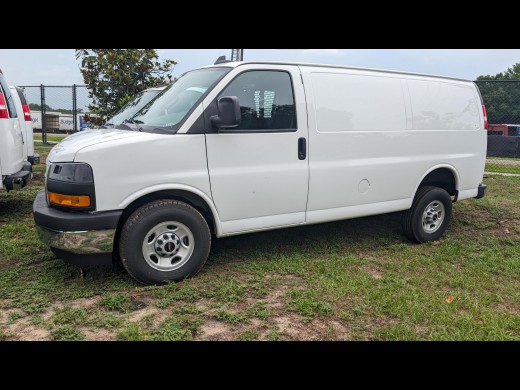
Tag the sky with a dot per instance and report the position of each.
(60, 67)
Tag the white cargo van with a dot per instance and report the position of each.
(240, 147)
(24, 119)
(14, 172)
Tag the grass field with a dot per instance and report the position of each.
(503, 168)
(351, 280)
(50, 138)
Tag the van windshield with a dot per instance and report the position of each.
(171, 108)
(132, 107)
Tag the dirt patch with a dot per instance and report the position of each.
(421, 330)
(22, 330)
(85, 302)
(375, 273)
(214, 330)
(98, 334)
(328, 329)
(372, 324)
(292, 328)
(510, 309)
(157, 314)
(32, 333)
(4, 314)
(275, 299)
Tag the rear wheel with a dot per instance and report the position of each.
(429, 216)
(165, 240)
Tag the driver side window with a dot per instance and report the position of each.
(266, 100)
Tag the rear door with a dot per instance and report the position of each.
(258, 178)
(11, 141)
(25, 121)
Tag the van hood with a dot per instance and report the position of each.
(66, 150)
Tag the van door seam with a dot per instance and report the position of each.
(207, 167)
(308, 145)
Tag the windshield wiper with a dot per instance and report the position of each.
(133, 122)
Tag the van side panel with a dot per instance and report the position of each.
(443, 106)
(366, 149)
(346, 102)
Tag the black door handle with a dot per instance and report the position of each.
(302, 148)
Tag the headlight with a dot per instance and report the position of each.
(71, 172)
(71, 185)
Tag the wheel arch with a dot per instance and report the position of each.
(192, 196)
(443, 176)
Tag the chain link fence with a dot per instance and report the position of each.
(502, 100)
(57, 108)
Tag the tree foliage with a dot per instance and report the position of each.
(512, 73)
(115, 76)
(502, 98)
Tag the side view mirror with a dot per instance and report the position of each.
(228, 113)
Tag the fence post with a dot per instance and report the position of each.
(44, 130)
(74, 109)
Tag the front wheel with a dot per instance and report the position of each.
(165, 240)
(429, 216)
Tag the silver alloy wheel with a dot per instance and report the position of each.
(433, 216)
(168, 246)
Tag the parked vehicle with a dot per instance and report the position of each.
(242, 147)
(13, 171)
(26, 125)
(133, 106)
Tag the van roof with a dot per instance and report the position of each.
(239, 63)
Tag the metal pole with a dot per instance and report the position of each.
(44, 130)
(74, 109)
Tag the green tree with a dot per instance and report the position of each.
(501, 95)
(512, 73)
(115, 76)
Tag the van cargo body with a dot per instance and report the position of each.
(26, 125)
(14, 173)
(240, 147)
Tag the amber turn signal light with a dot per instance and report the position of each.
(69, 200)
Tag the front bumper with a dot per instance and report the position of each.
(81, 242)
(78, 237)
(19, 179)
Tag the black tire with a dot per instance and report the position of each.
(412, 220)
(138, 225)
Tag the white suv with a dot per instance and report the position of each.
(13, 170)
(26, 125)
